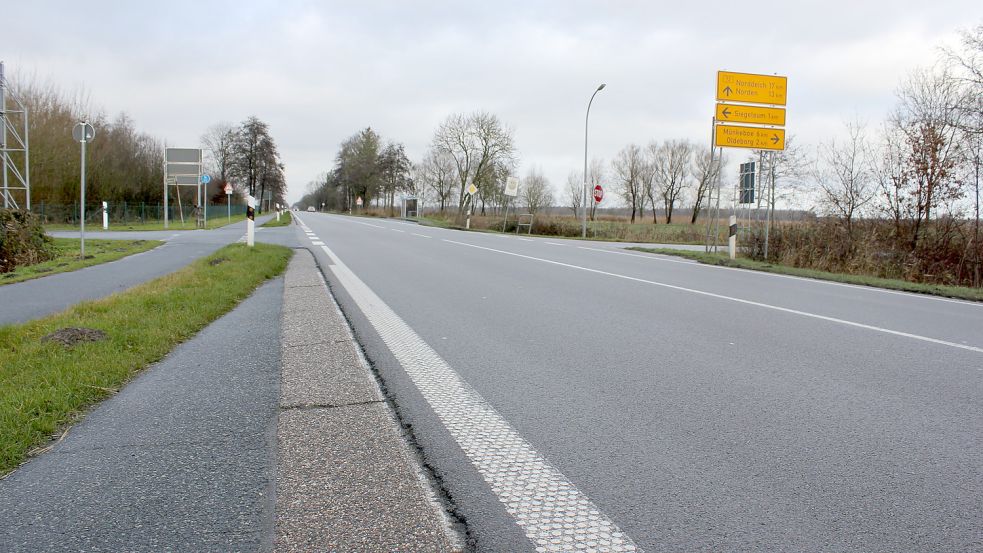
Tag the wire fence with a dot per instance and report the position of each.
(126, 212)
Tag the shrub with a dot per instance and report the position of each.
(945, 253)
(22, 240)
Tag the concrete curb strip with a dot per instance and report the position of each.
(346, 479)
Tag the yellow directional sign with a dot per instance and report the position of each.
(756, 138)
(750, 88)
(759, 115)
(472, 189)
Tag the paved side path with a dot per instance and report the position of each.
(347, 481)
(35, 298)
(182, 459)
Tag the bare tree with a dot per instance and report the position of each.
(791, 166)
(669, 163)
(436, 172)
(575, 192)
(704, 169)
(536, 191)
(966, 66)
(845, 176)
(479, 144)
(219, 145)
(929, 120)
(890, 172)
(394, 170)
(357, 166)
(248, 150)
(629, 169)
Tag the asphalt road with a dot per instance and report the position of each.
(696, 408)
(35, 298)
(182, 459)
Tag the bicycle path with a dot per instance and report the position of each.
(31, 299)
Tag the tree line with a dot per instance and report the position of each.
(126, 165)
(476, 148)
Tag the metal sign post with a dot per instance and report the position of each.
(83, 133)
(758, 126)
(182, 167)
(511, 191)
(228, 197)
(205, 179)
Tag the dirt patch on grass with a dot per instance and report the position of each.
(70, 336)
(218, 260)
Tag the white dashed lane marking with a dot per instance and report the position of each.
(551, 511)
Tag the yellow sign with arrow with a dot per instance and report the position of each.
(756, 138)
(751, 88)
(757, 115)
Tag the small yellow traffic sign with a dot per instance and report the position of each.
(759, 115)
(472, 189)
(756, 138)
(751, 88)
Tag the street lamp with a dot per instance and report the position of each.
(583, 224)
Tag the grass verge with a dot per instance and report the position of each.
(214, 221)
(958, 292)
(67, 259)
(45, 385)
(284, 220)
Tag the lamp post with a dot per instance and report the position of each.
(583, 224)
(83, 133)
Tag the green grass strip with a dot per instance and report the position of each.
(958, 292)
(45, 385)
(284, 220)
(67, 259)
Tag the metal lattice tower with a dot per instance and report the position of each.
(14, 146)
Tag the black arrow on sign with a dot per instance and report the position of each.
(775, 139)
(725, 113)
(727, 90)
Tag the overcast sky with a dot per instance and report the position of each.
(317, 72)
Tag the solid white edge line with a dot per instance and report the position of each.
(550, 510)
(730, 298)
(662, 257)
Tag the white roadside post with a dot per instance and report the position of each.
(250, 221)
(105, 216)
(732, 237)
(278, 213)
